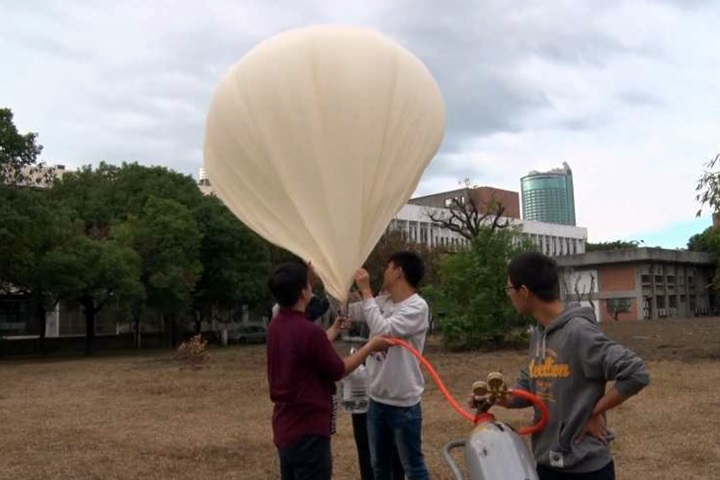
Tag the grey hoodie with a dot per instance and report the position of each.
(570, 363)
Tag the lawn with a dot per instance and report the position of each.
(141, 416)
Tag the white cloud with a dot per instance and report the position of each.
(623, 91)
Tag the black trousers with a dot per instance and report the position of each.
(309, 458)
(605, 473)
(359, 421)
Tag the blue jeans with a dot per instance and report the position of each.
(401, 426)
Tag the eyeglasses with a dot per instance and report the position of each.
(510, 288)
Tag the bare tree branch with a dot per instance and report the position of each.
(465, 217)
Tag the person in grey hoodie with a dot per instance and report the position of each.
(571, 361)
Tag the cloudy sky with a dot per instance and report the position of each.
(626, 92)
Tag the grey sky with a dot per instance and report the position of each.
(624, 91)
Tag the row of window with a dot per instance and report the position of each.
(427, 234)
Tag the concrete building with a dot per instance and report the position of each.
(553, 240)
(39, 176)
(639, 284)
(482, 196)
(549, 196)
(204, 182)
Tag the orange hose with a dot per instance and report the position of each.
(544, 413)
(453, 403)
(539, 404)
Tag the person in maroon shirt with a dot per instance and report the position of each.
(302, 367)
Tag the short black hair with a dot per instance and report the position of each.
(538, 273)
(411, 264)
(287, 282)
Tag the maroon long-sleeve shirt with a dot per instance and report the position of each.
(302, 368)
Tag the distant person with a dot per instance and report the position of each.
(396, 383)
(571, 361)
(302, 368)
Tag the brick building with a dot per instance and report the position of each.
(483, 197)
(639, 284)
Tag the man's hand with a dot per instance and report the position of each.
(342, 323)
(595, 427)
(473, 402)
(362, 280)
(379, 343)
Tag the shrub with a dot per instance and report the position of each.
(193, 352)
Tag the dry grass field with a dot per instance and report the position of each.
(142, 417)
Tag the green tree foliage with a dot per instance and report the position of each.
(192, 250)
(614, 245)
(236, 262)
(470, 298)
(167, 238)
(93, 272)
(18, 153)
(708, 195)
(145, 237)
(708, 242)
(30, 228)
(708, 187)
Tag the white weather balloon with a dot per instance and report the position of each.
(317, 137)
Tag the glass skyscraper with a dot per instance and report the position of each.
(549, 196)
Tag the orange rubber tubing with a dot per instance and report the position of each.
(534, 399)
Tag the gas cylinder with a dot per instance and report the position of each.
(494, 450)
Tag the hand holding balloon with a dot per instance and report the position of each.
(313, 278)
(341, 323)
(362, 280)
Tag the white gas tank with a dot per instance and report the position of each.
(494, 451)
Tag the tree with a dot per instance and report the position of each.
(471, 293)
(581, 291)
(708, 187)
(614, 245)
(150, 212)
(167, 238)
(92, 272)
(709, 242)
(29, 229)
(18, 153)
(616, 306)
(467, 217)
(235, 261)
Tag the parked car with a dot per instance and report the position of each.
(248, 334)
